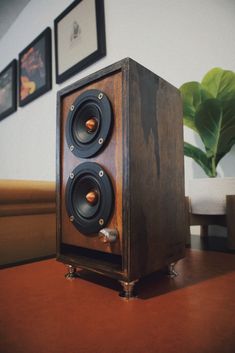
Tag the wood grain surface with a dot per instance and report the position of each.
(110, 158)
(156, 181)
(144, 159)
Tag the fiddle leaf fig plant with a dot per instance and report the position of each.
(209, 110)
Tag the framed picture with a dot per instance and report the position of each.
(35, 68)
(8, 88)
(79, 37)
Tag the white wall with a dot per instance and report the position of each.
(180, 40)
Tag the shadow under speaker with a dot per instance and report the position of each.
(120, 174)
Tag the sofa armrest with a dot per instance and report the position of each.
(25, 197)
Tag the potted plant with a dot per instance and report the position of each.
(209, 110)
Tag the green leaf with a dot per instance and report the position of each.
(208, 120)
(199, 157)
(192, 95)
(227, 134)
(219, 83)
(209, 109)
(215, 122)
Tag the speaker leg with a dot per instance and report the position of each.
(171, 272)
(72, 272)
(128, 289)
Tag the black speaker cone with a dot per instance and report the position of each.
(86, 123)
(86, 196)
(89, 198)
(89, 123)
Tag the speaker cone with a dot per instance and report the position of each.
(89, 123)
(86, 196)
(89, 197)
(86, 123)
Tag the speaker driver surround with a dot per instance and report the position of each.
(89, 123)
(89, 197)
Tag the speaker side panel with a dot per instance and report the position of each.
(157, 201)
(109, 158)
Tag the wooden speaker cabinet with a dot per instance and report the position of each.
(120, 174)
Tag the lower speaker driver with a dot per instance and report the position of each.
(86, 196)
(89, 198)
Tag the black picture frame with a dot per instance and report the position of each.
(8, 90)
(79, 37)
(35, 68)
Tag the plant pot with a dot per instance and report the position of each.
(208, 195)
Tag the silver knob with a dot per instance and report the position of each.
(107, 235)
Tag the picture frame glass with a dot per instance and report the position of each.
(33, 69)
(77, 35)
(6, 88)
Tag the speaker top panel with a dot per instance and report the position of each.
(89, 123)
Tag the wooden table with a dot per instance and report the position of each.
(42, 312)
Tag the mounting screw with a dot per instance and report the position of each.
(101, 221)
(71, 218)
(71, 148)
(100, 96)
(72, 108)
(71, 175)
(100, 141)
(101, 173)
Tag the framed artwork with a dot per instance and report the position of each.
(35, 68)
(79, 37)
(8, 88)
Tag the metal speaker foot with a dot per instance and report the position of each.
(72, 272)
(128, 290)
(171, 272)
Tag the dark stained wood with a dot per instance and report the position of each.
(188, 237)
(144, 158)
(156, 180)
(230, 216)
(206, 220)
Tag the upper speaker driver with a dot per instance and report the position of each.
(89, 123)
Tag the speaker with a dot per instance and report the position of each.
(120, 174)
